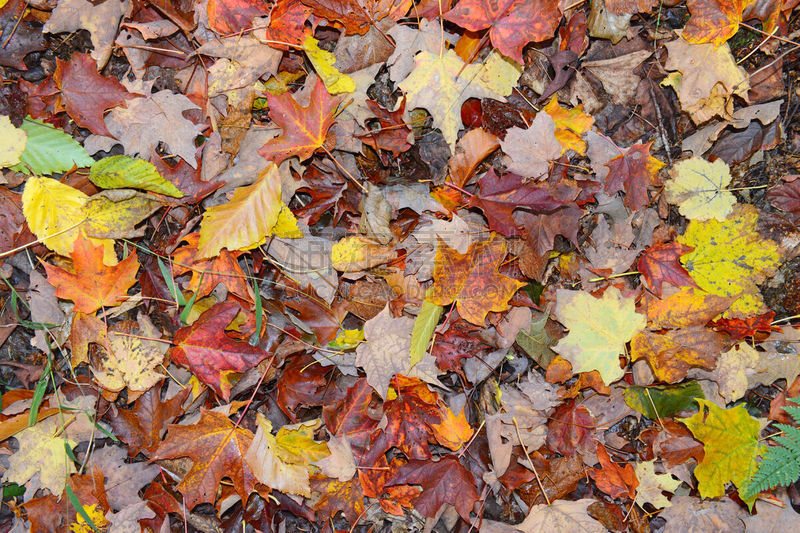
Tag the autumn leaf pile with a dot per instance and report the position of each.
(385, 265)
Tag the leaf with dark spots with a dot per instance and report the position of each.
(501, 195)
(143, 427)
(85, 94)
(410, 416)
(457, 343)
(358, 15)
(347, 497)
(210, 352)
(661, 263)
(287, 23)
(442, 481)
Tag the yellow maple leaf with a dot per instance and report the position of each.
(356, 253)
(95, 513)
(55, 213)
(598, 330)
(12, 142)
(441, 83)
(571, 124)
(730, 258)
(323, 62)
(248, 218)
(731, 445)
(40, 452)
(698, 187)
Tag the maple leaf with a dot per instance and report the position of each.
(598, 330)
(472, 280)
(570, 124)
(513, 23)
(698, 187)
(635, 169)
(335, 496)
(730, 258)
(393, 132)
(500, 195)
(471, 149)
(443, 481)
(86, 95)
(234, 16)
(541, 229)
(713, 21)
(569, 429)
(210, 353)
(661, 263)
(143, 427)
(208, 273)
(731, 445)
(531, 150)
(651, 485)
(93, 284)
(440, 84)
(687, 307)
(358, 15)
(672, 353)
(305, 129)
(613, 479)
(217, 448)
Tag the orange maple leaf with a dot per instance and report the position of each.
(713, 21)
(305, 129)
(571, 124)
(472, 280)
(93, 284)
(217, 448)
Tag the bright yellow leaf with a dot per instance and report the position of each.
(730, 258)
(323, 61)
(98, 518)
(247, 219)
(265, 459)
(296, 444)
(598, 330)
(12, 142)
(55, 213)
(698, 187)
(286, 225)
(731, 445)
(499, 73)
(356, 253)
(571, 124)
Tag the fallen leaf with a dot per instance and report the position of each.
(713, 21)
(636, 169)
(101, 20)
(13, 143)
(217, 449)
(615, 480)
(358, 15)
(210, 352)
(561, 515)
(661, 263)
(233, 16)
(93, 284)
(651, 485)
(673, 352)
(472, 281)
(571, 125)
(532, 149)
(598, 330)
(698, 187)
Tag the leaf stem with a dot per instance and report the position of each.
(613, 276)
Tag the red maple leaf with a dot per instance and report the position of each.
(443, 481)
(287, 24)
(208, 273)
(636, 169)
(351, 417)
(305, 129)
(661, 262)
(393, 132)
(85, 94)
(513, 23)
(501, 195)
(358, 15)
(232, 16)
(209, 352)
(541, 229)
(570, 427)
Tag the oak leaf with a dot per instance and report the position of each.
(698, 187)
(598, 330)
(217, 448)
(730, 258)
(661, 263)
(636, 169)
(472, 280)
(305, 129)
(210, 352)
(731, 444)
(513, 23)
(85, 94)
(93, 284)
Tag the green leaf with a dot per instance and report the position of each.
(121, 172)
(662, 401)
(537, 342)
(50, 150)
(423, 330)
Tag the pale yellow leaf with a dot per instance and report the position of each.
(698, 187)
(12, 142)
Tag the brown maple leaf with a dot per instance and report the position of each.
(513, 23)
(472, 280)
(661, 263)
(358, 15)
(217, 448)
(636, 169)
(85, 94)
(210, 353)
(93, 284)
(305, 129)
